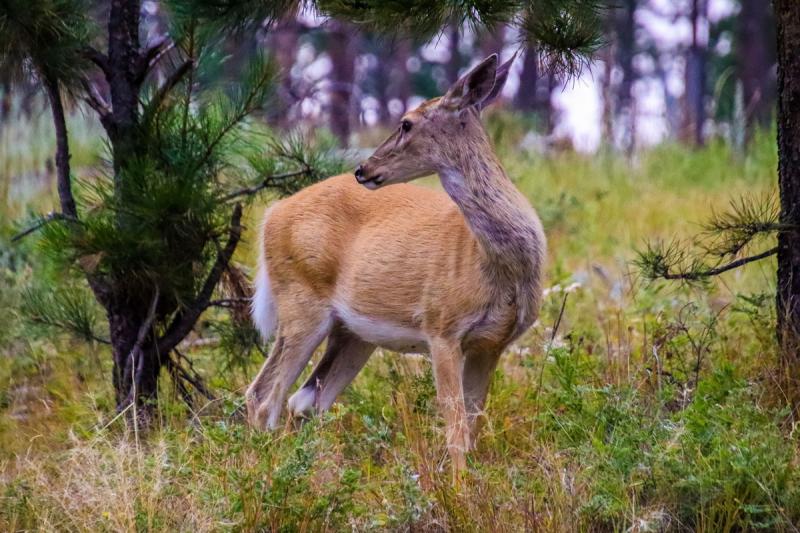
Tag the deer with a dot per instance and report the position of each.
(367, 260)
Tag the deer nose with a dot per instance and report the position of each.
(359, 173)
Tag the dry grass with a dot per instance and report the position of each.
(607, 423)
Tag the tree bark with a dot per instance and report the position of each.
(787, 15)
(756, 62)
(340, 48)
(626, 48)
(526, 98)
(127, 312)
(122, 76)
(453, 65)
(63, 179)
(695, 79)
(284, 39)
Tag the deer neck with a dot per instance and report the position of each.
(499, 216)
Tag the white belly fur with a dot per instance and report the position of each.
(381, 333)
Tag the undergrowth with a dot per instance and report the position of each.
(639, 408)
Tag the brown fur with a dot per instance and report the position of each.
(462, 269)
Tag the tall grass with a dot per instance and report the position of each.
(641, 408)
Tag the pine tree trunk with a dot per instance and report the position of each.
(787, 14)
(123, 54)
(526, 98)
(626, 43)
(62, 149)
(340, 48)
(283, 41)
(127, 312)
(399, 79)
(695, 79)
(453, 66)
(756, 61)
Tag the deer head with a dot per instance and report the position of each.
(432, 137)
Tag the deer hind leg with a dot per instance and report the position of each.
(296, 339)
(479, 367)
(448, 365)
(345, 356)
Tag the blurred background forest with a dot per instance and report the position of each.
(629, 406)
(693, 71)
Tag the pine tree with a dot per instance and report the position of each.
(155, 236)
(731, 233)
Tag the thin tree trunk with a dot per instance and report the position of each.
(340, 48)
(626, 43)
(695, 79)
(756, 62)
(454, 63)
(284, 40)
(787, 14)
(527, 99)
(62, 149)
(399, 78)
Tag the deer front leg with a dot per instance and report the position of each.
(448, 366)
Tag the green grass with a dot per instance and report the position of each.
(652, 407)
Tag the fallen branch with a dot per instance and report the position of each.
(182, 376)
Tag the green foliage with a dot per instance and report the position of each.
(233, 14)
(567, 32)
(159, 219)
(726, 234)
(45, 36)
(721, 460)
(624, 431)
(71, 309)
(420, 18)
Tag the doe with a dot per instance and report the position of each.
(411, 269)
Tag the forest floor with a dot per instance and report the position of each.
(646, 407)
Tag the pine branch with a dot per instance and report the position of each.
(50, 217)
(185, 320)
(151, 54)
(97, 57)
(710, 272)
(169, 84)
(68, 309)
(68, 206)
(97, 102)
(673, 262)
(259, 80)
(747, 218)
(265, 184)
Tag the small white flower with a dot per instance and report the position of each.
(573, 287)
(555, 288)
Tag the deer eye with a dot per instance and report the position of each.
(406, 126)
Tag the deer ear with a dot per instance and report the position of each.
(474, 86)
(499, 81)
